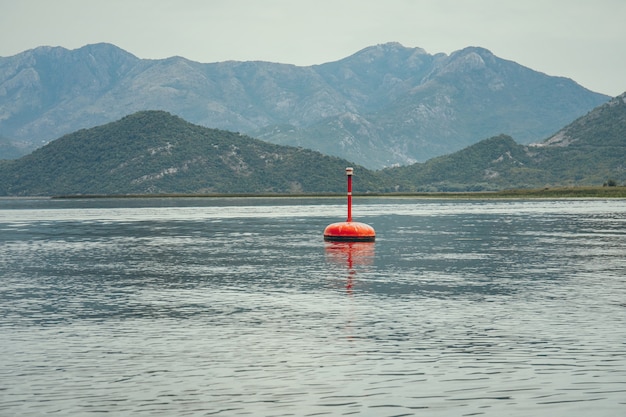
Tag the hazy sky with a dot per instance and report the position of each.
(581, 39)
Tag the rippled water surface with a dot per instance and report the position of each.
(237, 307)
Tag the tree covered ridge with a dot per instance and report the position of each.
(155, 152)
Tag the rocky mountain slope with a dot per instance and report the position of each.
(382, 106)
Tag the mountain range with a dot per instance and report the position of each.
(386, 105)
(155, 152)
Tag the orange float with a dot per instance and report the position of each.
(349, 231)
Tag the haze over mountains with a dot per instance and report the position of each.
(385, 105)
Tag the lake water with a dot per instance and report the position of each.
(237, 307)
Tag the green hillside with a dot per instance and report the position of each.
(154, 152)
(488, 165)
(590, 151)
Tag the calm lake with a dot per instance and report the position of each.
(237, 307)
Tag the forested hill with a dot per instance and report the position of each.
(589, 151)
(156, 152)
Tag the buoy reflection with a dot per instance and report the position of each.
(353, 255)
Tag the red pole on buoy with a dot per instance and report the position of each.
(349, 231)
(349, 172)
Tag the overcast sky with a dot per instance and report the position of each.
(580, 39)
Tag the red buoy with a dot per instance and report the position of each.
(349, 231)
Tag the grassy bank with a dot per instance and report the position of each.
(560, 192)
(565, 192)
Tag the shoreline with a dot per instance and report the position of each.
(547, 193)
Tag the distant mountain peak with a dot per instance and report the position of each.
(385, 51)
(467, 60)
(483, 52)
